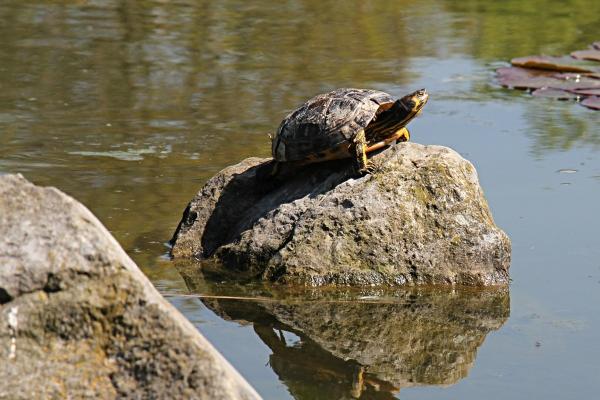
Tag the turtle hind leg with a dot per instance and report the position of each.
(360, 153)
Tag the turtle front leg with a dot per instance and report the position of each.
(403, 135)
(360, 152)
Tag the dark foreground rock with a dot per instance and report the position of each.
(366, 343)
(421, 218)
(78, 319)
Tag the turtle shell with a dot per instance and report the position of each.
(326, 122)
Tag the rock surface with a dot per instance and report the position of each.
(78, 319)
(421, 218)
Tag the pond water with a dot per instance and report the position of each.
(131, 106)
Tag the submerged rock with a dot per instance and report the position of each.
(78, 319)
(421, 218)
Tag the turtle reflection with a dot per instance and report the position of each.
(346, 344)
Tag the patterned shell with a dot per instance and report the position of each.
(325, 122)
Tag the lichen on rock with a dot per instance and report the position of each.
(421, 218)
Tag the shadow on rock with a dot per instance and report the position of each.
(249, 193)
(349, 343)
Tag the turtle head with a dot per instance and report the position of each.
(414, 102)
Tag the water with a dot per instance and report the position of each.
(131, 106)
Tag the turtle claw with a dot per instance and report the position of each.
(372, 167)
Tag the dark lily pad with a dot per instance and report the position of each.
(555, 94)
(523, 78)
(590, 54)
(562, 64)
(592, 102)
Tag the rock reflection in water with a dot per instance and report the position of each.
(361, 344)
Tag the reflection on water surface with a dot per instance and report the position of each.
(366, 343)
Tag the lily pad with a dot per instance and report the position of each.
(590, 54)
(588, 92)
(523, 78)
(563, 64)
(555, 94)
(563, 78)
(577, 76)
(592, 102)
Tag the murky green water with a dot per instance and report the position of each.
(131, 106)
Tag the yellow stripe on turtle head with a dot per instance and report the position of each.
(418, 99)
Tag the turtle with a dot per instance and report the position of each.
(345, 123)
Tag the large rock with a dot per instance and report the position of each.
(421, 218)
(78, 319)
